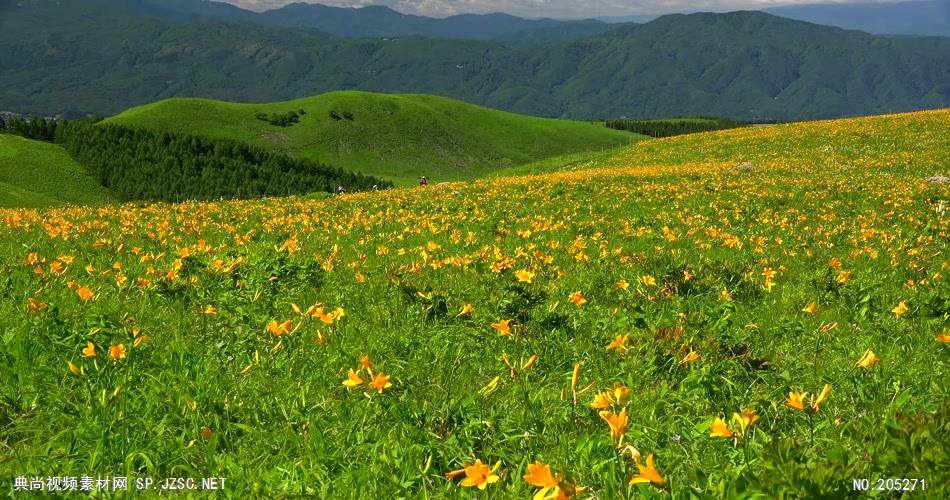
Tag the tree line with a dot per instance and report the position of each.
(140, 164)
(673, 126)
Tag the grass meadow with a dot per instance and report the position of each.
(37, 174)
(659, 324)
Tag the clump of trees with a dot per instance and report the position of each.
(147, 165)
(40, 129)
(672, 126)
(287, 119)
(341, 115)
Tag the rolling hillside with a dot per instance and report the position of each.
(39, 174)
(400, 137)
(753, 333)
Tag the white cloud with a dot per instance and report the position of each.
(548, 8)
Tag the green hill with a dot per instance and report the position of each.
(39, 174)
(399, 137)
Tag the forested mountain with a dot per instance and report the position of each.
(918, 17)
(744, 65)
(370, 21)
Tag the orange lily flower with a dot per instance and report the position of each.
(816, 403)
(619, 343)
(477, 474)
(868, 359)
(380, 382)
(617, 423)
(648, 473)
(524, 276)
(466, 310)
(901, 309)
(117, 351)
(719, 429)
(692, 356)
(795, 400)
(503, 326)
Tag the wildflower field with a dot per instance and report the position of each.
(663, 324)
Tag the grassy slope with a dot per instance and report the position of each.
(395, 136)
(218, 395)
(38, 174)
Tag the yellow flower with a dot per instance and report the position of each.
(89, 351)
(619, 343)
(943, 337)
(795, 400)
(353, 379)
(692, 356)
(725, 295)
(34, 305)
(816, 403)
(338, 313)
(490, 387)
(901, 309)
(648, 473)
(75, 369)
(745, 420)
(622, 284)
(868, 359)
(601, 401)
(575, 375)
(466, 310)
(617, 423)
(719, 428)
(477, 474)
(117, 351)
(524, 275)
(531, 361)
(843, 277)
(577, 298)
(811, 308)
(648, 280)
(209, 310)
(619, 393)
(503, 326)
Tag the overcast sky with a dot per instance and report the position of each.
(548, 8)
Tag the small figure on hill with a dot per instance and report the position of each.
(341, 190)
(424, 181)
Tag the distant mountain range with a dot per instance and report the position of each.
(915, 17)
(75, 57)
(929, 17)
(375, 21)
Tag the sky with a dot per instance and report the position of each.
(548, 8)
